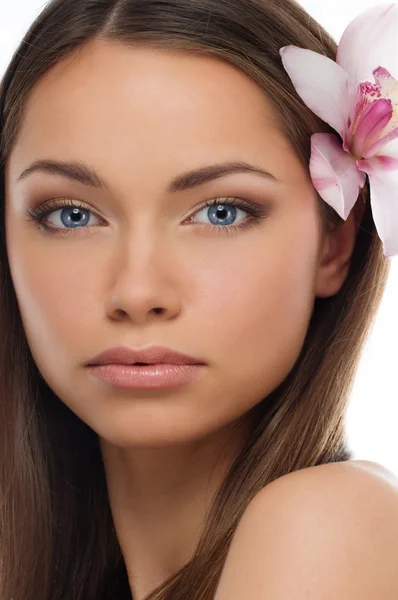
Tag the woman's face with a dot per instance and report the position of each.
(237, 291)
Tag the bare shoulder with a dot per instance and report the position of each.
(329, 531)
(373, 468)
(335, 488)
(353, 472)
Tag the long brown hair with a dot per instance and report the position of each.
(57, 538)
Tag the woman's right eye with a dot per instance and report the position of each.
(72, 217)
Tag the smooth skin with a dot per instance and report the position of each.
(241, 301)
(323, 533)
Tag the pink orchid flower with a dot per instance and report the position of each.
(362, 112)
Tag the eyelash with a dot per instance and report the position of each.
(38, 215)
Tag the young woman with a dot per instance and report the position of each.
(156, 191)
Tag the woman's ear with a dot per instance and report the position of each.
(337, 253)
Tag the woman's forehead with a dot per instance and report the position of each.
(141, 105)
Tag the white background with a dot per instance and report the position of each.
(373, 411)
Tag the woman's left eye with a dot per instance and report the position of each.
(224, 211)
(222, 214)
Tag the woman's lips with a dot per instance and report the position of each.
(156, 376)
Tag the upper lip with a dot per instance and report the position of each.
(150, 355)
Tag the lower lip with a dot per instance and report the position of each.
(160, 376)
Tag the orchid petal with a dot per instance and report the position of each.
(384, 202)
(381, 144)
(390, 149)
(379, 163)
(335, 174)
(387, 89)
(370, 41)
(372, 122)
(323, 85)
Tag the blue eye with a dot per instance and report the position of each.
(222, 212)
(71, 214)
(74, 216)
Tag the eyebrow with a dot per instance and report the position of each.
(77, 171)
